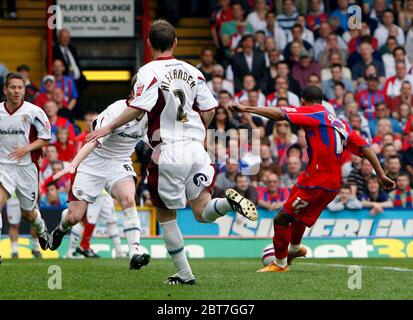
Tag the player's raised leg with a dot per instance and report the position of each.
(124, 192)
(70, 217)
(74, 238)
(34, 217)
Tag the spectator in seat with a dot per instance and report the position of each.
(57, 122)
(233, 31)
(402, 196)
(358, 69)
(339, 92)
(393, 85)
(341, 13)
(221, 15)
(393, 166)
(53, 199)
(357, 179)
(207, 62)
(281, 138)
(388, 28)
(369, 98)
(31, 88)
(249, 61)
(288, 179)
(59, 98)
(244, 187)
(272, 197)
(304, 68)
(383, 113)
(405, 16)
(63, 183)
(405, 97)
(65, 146)
(273, 30)
(49, 85)
(81, 138)
(375, 198)
(403, 114)
(297, 36)
(67, 53)
(283, 70)
(345, 200)
(281, 88)
(336, 76)
(288, 17)
(388, 150)
(257, 18)
(248, 84)
(65, 83)
(394, 54)
(315, 15)
(45, 168)
(332, 46)
(307, 34)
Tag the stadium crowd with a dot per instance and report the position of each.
(265, 53)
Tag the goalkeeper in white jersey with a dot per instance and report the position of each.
(106, 164)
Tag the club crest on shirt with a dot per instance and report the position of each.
(25, 118)
(139, 89)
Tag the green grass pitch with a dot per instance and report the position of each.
(217, 279)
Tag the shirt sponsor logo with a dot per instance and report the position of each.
(25, 118)
(139, 89)
(11, 132)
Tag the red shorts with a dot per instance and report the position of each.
(306, 204)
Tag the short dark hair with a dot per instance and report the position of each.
(52, 184)
(404, 174)
(297, 26)
(239, 175)
(225, 92)
(345, 186)
(162, 35)
(339, 83)
(336, 65)
(13, 75)
(394, 157)
(399, 48)
(282, 98)
(312, 94)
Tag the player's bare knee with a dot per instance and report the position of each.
(29, 215)
(165, 215)
(127, 201)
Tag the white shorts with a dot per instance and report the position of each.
(14, 214)
(181, 173)
(102, 208)
(22, 180)
(95, 174)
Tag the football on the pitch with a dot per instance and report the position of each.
(268, 255)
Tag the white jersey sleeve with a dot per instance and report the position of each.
(146, 92)
(42, 124)
(204, 97)
(103, 119)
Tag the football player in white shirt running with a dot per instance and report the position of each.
(24, 128)
(106, 164)
(175, 97)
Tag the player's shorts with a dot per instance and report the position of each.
(306, 204)
(95, 174)
(180, 172)
(14, 214)
(103, 208)
(22, 180)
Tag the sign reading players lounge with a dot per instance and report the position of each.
(98, 18)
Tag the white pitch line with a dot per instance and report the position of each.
(361, 266)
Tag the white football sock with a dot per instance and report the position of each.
(215, 209)
(113, 232)
(1, 225)
(281, 262)
(35, 242)
(39, 224)
(64, 225)
(14, 247)
(75, 236)
(294, 248)
(174, 243)
(132, 229)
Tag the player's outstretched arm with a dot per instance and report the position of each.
(126, 116)
(270, 113)
(80, 156)
(387, 183)
(18, 153)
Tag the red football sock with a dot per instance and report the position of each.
(281, 240)
(297, 232)
(87, 235)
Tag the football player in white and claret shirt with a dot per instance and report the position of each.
(106, 164)
(24, 129)
(175, 97)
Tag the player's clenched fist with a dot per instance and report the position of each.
(387, 183)
(236, 107)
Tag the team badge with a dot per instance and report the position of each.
(79, 193)
(25, 118)
(199, 178)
